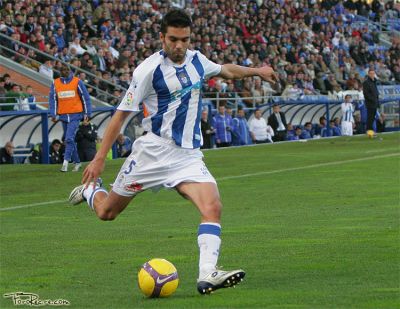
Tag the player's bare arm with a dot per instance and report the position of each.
(233, 71)
(96, 166)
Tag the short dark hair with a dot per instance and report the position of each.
(175, 18)
(55, 141)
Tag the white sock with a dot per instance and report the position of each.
(65, 163)
(209, 242)
(90, 192)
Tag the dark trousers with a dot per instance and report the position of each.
(279, 136)
(86, 154)
(220, 145)
(371, 112)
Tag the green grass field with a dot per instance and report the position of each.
(314, 225)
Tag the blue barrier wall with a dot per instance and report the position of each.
(27, 127)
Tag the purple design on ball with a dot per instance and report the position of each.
(159, 280)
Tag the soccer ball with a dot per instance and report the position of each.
(371, 134)
(158, 278)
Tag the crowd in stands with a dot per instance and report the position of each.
(14, 96)
(317, 47)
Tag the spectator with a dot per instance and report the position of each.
(321, 125)
(70, 102)
(297, 134)
(86, 140)
(124, 146)
(46, 69)
(76, 44)
(16, 97)
(60, 39)
(223, 128)
(359, 127)
(8, 84)
(6, 153)
(290, 132)
(307, 132)
(3, 92)
(30, 97)
(241, 132)
(347, 116)
(56, 157)
(277, 121)
(333, 130)
(36, 154)
(207, 130)
(259, 130)
(371, 96)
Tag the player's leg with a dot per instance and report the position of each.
(371, 112)
(107, 206)
(205, 197)
(67, 151)
(71, 151)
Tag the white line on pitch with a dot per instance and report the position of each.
(33, 205)
(239, 176)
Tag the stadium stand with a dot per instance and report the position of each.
(317, 47)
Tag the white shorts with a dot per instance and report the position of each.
(347, 128)
(156, 162)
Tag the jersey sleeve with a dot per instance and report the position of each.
(210, 68)
(138, 90)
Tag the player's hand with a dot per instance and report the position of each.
(93, 171)
(268, 74)
(54, 119)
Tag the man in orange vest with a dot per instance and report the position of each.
(70, 103)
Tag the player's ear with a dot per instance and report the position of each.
(162, 36)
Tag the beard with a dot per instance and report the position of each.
(177, 57)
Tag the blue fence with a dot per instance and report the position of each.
(298, 111)
(15, 123)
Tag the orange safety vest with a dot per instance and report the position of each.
(69, 101)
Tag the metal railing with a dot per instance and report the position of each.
(48, 56)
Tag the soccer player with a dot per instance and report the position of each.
(347, 116)
(169, 83)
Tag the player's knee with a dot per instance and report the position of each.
(212, 211)
(106, 215)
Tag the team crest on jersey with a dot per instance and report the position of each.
(183, 77)
(134, 187)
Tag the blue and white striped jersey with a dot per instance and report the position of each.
(172, 96)
(347, 112)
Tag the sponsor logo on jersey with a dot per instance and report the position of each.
(129, 98)
(66, 94)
